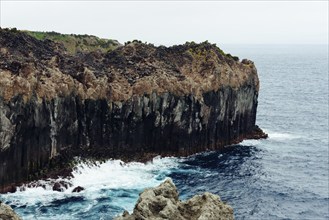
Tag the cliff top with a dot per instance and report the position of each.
(75, 43)
(45, 65)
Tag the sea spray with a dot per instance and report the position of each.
(109, 186)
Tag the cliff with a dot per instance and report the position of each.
(162, 203)
(132, 102)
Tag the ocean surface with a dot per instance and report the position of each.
(283, 177)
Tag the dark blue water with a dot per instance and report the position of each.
(283, 177)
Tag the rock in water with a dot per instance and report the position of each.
(7, 213)
(133, 102)
(78, 189)
(162, 203)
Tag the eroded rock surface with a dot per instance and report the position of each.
(7, 213)
(132, 103)
(162, 202)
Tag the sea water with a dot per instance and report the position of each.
(282, 177)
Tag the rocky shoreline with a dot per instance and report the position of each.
(162, 202)
(131, 102)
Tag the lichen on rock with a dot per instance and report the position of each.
(162, 202)
(7, 213)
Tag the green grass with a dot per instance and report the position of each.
(74, 43)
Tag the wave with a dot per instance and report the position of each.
(277, 136)
(97, 178)
(272, 135)
(250, 142)
(117, 174)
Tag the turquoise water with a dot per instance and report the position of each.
(283, 177)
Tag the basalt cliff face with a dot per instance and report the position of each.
(132, 101)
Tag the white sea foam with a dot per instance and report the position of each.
(250, 142)
(277, 136)
(112, 174)
(272, 135)
(117, 174)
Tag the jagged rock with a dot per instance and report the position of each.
(60, 186)
(7, 213)
(57, 187)
(132, 103)
(78, 189)
(162, 203)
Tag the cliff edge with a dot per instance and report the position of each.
(132, 102)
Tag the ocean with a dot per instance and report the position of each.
(283, 177)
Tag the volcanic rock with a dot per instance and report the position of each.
(60, 186)
(132, 102)
(78, 189)
(7, 213)
(162, 203)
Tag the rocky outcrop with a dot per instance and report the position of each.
(78, 189)
(162, 203)
(7, 213)
(132, 103)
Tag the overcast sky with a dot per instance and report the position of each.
(172, 22)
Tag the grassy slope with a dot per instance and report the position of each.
(75, 43)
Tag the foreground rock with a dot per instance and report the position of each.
(7, 213)
(132, 102)
(162, 203)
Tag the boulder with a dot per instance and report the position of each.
(60, 186)
(78, 189)
(162, 202)
(7, 213)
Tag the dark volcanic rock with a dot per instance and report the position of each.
(60, 186)
(57, 187)
(78, 189)
(133, 103)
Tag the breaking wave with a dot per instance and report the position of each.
(110, 187)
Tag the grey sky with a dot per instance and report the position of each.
(172, 22)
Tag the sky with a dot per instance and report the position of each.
(175, 22)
